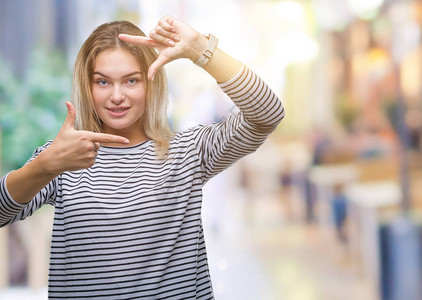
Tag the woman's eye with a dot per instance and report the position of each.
(132, 81)
(102, 82)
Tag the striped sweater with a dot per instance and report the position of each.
(130, 226)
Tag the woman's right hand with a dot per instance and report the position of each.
(75, 149)
(71, 150)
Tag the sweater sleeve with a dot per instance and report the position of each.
(11, 211)
(223, 143)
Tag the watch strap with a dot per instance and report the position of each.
(208, 52)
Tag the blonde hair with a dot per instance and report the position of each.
(154, 122)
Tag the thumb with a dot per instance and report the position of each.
(69, 122)
(156, 65)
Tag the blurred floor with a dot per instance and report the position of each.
(22, 293)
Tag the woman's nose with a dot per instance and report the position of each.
(117, 95)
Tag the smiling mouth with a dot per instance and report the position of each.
(118, 109)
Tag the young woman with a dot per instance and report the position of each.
(127, 191)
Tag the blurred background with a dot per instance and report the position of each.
(328, 208)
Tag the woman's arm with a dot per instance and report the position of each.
(221, 66)
(12, 211)
(23, 184)
(221, 144)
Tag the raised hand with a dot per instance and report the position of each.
(76, 149)
(173, 39)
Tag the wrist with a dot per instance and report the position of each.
(23, 184)
(46, 164)
(198, 47)
(208, 53)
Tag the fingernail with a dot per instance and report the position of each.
(177, 38)
(171, 43)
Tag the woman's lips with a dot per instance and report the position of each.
(118, 111)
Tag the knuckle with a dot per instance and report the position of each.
(86, 145)
(106, 139)
(162, 22)
(83, 139)
(159, 30)
(90, 163)
(169, 19)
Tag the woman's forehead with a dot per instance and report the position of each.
(116, 62)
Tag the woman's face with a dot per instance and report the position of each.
(119, 93)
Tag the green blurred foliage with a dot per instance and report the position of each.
(32, 108)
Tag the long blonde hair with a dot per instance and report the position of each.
(154, 122)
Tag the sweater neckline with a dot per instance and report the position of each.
(125, 149)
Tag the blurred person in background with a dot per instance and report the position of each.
(339, 211)
(127, 190)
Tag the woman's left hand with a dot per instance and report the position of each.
(173, 39)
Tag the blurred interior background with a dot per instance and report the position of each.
(326, 209)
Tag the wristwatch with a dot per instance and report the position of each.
(208, 52)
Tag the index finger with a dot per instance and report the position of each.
(142, 40)
(105, 138)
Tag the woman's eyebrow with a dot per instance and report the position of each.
(124, 76)
(132, 73)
